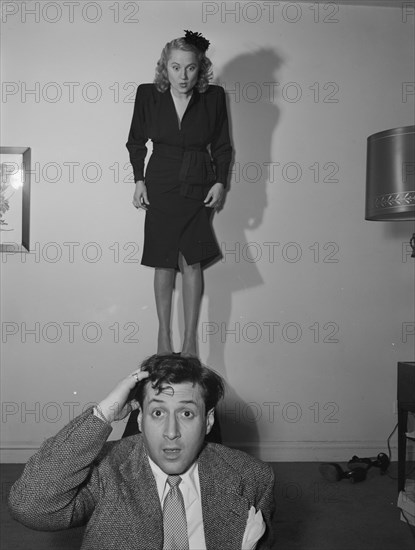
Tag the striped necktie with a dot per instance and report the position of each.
(174, 517)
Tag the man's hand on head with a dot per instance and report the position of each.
(116, 406)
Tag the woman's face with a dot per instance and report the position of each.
(182, 71)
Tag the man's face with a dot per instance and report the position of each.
(174, 424)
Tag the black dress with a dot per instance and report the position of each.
(185, 163)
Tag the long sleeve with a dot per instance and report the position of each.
(221, 148)
(59, 484)
(137, 137)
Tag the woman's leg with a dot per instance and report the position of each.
(163, 291)
(192, 293)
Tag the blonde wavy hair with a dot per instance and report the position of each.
(205, 74)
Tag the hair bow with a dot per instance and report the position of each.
(197, 40)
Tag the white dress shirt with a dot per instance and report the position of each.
(190, 489)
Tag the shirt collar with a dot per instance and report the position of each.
(189, 485)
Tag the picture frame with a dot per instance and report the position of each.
(15, 172)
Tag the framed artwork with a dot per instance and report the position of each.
(15, 171)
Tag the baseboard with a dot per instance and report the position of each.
(317, 451)
(17, 454)
(278, 451)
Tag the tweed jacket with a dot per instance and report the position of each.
(78, 478)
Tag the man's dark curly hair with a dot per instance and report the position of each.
(165, 370)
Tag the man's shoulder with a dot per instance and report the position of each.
(243, 463)
(117, 451)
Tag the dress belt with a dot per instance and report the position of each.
(197, 157)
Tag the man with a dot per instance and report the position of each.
(162, 489)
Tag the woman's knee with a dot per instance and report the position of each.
(191, 269)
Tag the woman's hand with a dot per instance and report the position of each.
(214, 198)
(116, 405)
(140, 199)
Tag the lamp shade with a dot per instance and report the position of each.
(390, 175)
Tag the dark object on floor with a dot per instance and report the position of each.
(334, 472)
(357, 468)
(381, 461)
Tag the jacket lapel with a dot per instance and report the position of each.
(225, 510)
(139, 484)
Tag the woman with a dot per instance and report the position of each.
(187, 121)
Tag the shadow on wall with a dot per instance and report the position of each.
(253, 115)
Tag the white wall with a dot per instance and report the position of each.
(316, 296)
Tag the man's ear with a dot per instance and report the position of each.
(139, 418)
(210, 420)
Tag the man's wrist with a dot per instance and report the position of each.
(101, 415)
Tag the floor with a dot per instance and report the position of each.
(312, 514)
